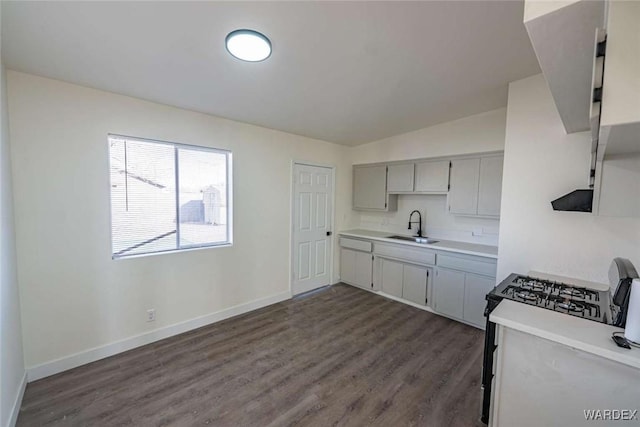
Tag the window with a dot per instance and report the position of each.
(167, 197)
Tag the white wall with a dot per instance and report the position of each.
(541, 164)
(535, 8)
(478, 133)
(473, 134)
(74, 297)
(11, 357)
(437, 222)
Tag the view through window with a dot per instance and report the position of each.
(167, 196)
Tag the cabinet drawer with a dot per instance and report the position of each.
(419, 256)
(359, 245)
(471, 265)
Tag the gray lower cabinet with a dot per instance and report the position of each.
(475, 289)
(461, 295)
(391, 277)
(452, 284)
(356, 268)
(448, 292)
(406, 281)
(415, 284)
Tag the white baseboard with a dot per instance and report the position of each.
(407, 302)
(91, 355)
(15, 410)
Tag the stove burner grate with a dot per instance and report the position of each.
(571, 306)
(572, 292)
(526, 295)
(556, 296)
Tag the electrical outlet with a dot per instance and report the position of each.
(151, 315)
(477, 232)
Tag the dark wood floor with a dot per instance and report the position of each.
(341, 356)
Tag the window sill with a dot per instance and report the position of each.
(173, 251)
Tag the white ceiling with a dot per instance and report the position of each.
(346, 72)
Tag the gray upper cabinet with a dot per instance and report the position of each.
(370, 188)
(490, 187)
(463, 195)
(429, 176)
(400, 178)
(473, 184)
(476, 186)
(432, 176)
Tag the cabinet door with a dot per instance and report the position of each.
(621, 96)
(364, 267)
(476, 288)
(415, 283)
(391, 277)
(490, 187)
(432, 176)
(448, 292)
(370, 187)
(463, 195)
(348, 265)
(400, 178)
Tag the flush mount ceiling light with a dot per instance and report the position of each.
(248, 45)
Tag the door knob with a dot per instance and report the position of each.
(329, 233)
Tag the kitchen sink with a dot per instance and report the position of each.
(424, 240)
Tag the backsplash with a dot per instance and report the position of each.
(436, 221)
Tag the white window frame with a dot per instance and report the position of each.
(229, 197)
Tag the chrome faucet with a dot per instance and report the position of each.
(419, 222)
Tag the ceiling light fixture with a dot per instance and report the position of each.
(248, 45)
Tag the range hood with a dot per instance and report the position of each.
(576, 201)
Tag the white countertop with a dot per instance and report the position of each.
(588, 336)
(443, 245)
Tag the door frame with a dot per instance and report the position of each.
(292, 214)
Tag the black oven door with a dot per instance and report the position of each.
(487, 364)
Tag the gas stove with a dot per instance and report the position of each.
(589, 304)
(561, 297)
(547, 294)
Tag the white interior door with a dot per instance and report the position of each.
(312, 228)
